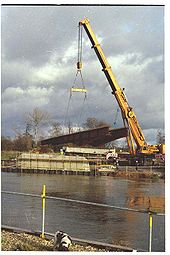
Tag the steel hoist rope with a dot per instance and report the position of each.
(116, 117)
(78, 74)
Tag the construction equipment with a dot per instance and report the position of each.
(135, 133)
(79, 66)
(79, 75)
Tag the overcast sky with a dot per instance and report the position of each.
(39, 55)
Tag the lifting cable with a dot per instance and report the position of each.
(67, 111)
(80, 49)
(116, 116)
(81, 111)
(78, 74)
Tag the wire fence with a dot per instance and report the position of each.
(86, 203)
(43, 197)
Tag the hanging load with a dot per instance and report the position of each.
(78, 90)
(79, 67)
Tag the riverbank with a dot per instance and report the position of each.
(86, 221)
(25, 242)
(11, 241)
(139, 174)
(122, 172)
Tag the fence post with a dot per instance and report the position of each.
(43, 209)
(150, 231)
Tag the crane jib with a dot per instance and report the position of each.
(129, 117)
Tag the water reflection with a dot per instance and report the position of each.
(85, 221)
(145, 199)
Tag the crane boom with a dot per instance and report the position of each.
(129, 117)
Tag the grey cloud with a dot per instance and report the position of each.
(37, 30)
(32, 36)
(33, 32)
(15, 74)
(142, 31)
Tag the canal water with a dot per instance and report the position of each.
(86, 221)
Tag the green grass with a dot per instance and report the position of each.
(7, 155)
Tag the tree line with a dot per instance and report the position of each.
(35, 123)
(38, 120)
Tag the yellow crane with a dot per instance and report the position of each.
(130, 121)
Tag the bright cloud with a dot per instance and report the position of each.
(32, 93)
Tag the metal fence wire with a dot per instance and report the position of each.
(43, 197)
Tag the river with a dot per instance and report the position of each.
(86, 221)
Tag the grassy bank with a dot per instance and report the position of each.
(147, 174)
(8, 155)
(24, 242)
(21, 241)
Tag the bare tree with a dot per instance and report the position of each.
(23, 143)
(6, 144)
(94, 123)
(160, 138)
(17, 129)
(35, 120)
(56, 129)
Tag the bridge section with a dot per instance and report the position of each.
(93, 137)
